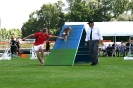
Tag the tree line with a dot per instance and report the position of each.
(54, 15)
(5, 34)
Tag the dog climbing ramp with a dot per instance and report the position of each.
(68, 52)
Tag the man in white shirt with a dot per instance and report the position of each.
(93, 35)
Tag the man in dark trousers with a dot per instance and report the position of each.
(93, 35)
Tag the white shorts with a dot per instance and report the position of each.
(37, 47)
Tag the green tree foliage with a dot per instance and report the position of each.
(79, 11)
(119, 6)
(50, 16)
(3, 33)
(6, 34)
(123, 17)
(130, 7)
(53, 16)
(62, 17)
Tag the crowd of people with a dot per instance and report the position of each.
(121, 49)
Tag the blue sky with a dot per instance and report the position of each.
(14, 13)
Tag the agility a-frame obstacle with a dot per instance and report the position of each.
(68, 52)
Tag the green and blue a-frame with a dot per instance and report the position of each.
(72, 50)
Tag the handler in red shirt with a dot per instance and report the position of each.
(38, 44)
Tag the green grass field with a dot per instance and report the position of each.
(111, 72)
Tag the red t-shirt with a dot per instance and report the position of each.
(40, 38)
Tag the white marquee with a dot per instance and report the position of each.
(119, 28)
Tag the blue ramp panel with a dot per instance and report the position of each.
(67, 52)
(64, 52)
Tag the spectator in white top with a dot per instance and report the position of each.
(93, 35)
(104, 47)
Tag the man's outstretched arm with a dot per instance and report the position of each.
(27, 37)
(52, 36)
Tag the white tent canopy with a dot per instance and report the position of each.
(120, 28)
